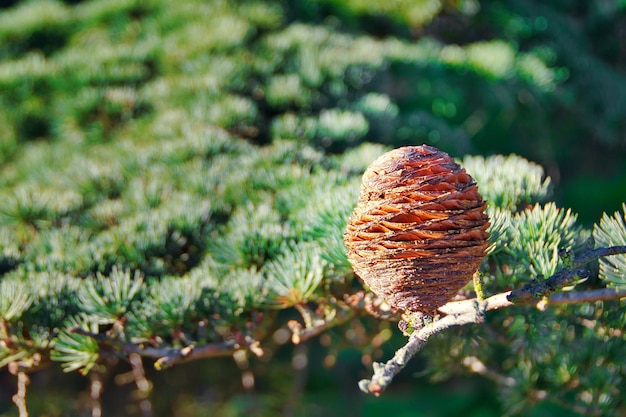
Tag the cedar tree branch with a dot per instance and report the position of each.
(460, 313)
(167, 356)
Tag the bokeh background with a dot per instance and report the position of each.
(114, 81)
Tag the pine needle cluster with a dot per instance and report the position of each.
(178, 179)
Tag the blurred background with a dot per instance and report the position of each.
(542, 79)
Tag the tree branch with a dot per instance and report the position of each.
(168, 356)
(143, 385)
(475, 365)
(384, 373)
(501, 300)
(353, 305)
(464, 312)
(19, 399)
(95, 393)
(575, 297)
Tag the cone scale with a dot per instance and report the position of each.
(418, 232)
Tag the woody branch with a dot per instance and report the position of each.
(464, 312)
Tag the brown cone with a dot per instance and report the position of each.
(418, 232)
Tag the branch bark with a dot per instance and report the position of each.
(353, 305)
(95, 393)
(464, 312)
(384, 373)
(19, 399)
(143, 385)
(575, 297)
(168, 356)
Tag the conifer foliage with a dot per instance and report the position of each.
(176, 179)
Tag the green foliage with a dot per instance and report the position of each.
(54, 300)
(108, 298)
(14, 299)
(324, 222)
(76, 351)
(499, 222)
(412, 13)
(526, 240)
(582, 368)
(245, 287)
(508, 182)
(254, 235)
(535, 237)
(36, 207)
(611, 231)
(293, 278)
(168, 175)
(9, 249)
(170, 303)
(62, 249)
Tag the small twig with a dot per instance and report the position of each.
(95, 392)
(312, 324)
(384, 373)
(353, 305)
(537, 289)
(143, 385)
(494, 302)
(502, 300)
(317, 325)
(4, 332)
(593, 254)
(19, 399)
(576, 297)
(306, 313)
(363, 301)
(471, 311)
(477, 366)
(167, 356)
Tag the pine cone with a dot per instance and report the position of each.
(418, 232)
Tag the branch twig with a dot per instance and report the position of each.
(384, 373)
(353, 305)
(475, 365)
(95, 393)
(464, 312)
(143, 385)
(19, 399)
(575, 297)
(168, 356)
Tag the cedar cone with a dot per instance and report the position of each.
(418, 232)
